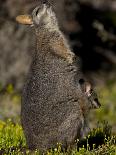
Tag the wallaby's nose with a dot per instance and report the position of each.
(47, 3)
(35, 15)
(44, 1)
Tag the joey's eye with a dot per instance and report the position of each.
(81, 81)
(91, 91)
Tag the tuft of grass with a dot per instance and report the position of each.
(11, 137)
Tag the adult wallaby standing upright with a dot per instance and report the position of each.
(52, 99)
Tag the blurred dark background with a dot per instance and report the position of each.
(90, 26)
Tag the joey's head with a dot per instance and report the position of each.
(90, 93)
(42, 16)
(93, 100)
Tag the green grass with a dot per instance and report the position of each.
(99, 141)
(11, 137)
(107, 111)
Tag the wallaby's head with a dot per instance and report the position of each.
(42, 16)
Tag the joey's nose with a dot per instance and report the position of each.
(97, 103)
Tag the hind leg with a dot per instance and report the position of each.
(70, 130)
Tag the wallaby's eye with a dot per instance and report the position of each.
(81, 81)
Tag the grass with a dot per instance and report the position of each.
(100, 141)
(11, 136)
(108, 105)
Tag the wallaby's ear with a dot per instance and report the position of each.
(24, 19)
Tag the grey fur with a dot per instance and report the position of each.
(52, 99)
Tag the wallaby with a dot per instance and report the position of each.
(52, 99)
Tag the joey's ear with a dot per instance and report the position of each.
(86, 86)
(24, 19)
(88, 89)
